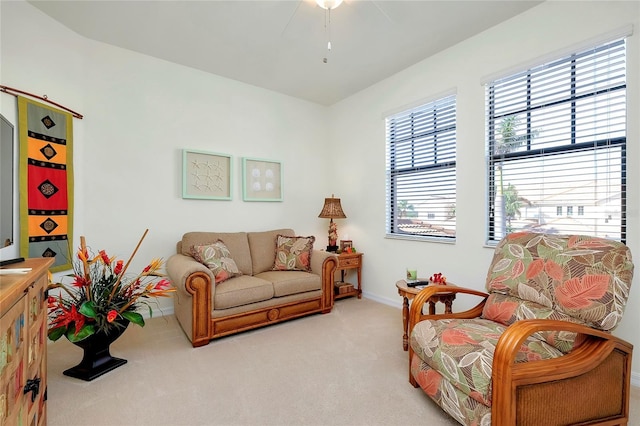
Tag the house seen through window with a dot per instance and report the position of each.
(421, 171)
(556, 138)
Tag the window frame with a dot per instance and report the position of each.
(493, 119)
(394, 172)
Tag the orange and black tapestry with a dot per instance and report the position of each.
(46, 183)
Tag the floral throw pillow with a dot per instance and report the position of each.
(216, 257)
(293, 253)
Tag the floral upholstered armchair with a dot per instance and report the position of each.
(537, 350)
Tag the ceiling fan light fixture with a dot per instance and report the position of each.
(329, 4)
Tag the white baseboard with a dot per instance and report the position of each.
(635, 376)
(396, 303)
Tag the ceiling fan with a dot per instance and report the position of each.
(328, 6)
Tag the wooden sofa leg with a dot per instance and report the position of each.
(199, 343)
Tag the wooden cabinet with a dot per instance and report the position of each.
(23, 344)
(348, 261)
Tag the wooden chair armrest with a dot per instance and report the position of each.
(416, 315)
(594, 346)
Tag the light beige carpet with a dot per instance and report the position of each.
(343, 368)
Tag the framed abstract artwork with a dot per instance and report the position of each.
(261, 180)
(206, 175)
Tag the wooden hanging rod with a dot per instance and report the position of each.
(15, 92)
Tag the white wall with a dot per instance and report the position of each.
(139, 113)
(41, 57)
(357, 131)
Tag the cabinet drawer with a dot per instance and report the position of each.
(23, 344)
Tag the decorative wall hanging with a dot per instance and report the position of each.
(206, 175)
(261, 180)
(46, 182)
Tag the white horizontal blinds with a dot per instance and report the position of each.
(421, 170)
(557, 146)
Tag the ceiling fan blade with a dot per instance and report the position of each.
(292, 16)
(375, 3)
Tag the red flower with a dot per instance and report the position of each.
(79, 281)
(136, 284)
(112, 315)
(83, 255)
(118, 268)
(105, 258)
(67, 317)
(162, 284)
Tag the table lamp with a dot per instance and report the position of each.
(332, 210)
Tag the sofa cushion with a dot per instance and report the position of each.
(291, 282)
(459, 404)
(587, 278)
(236, 242)
(241, 291)
(263, 248)
(508, 309)
(461, 350)
(293, 253)
(216, 257)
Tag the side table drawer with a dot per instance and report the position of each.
(350, 261)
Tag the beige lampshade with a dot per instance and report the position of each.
(332, 209)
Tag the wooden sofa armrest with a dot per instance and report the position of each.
(193, 281)
(179, 270)
(594, 348)
(416, 313)
(324, 263)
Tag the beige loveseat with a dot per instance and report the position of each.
(260, 296)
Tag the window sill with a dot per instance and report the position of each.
(440, 240)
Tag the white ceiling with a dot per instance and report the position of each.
(280, 45)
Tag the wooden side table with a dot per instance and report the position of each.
(348, 261)
(409, 293)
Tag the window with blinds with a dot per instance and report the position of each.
(421, 171)
(556, 147)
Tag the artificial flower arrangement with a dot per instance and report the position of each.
(102, 296)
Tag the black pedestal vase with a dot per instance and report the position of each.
(97, 359)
